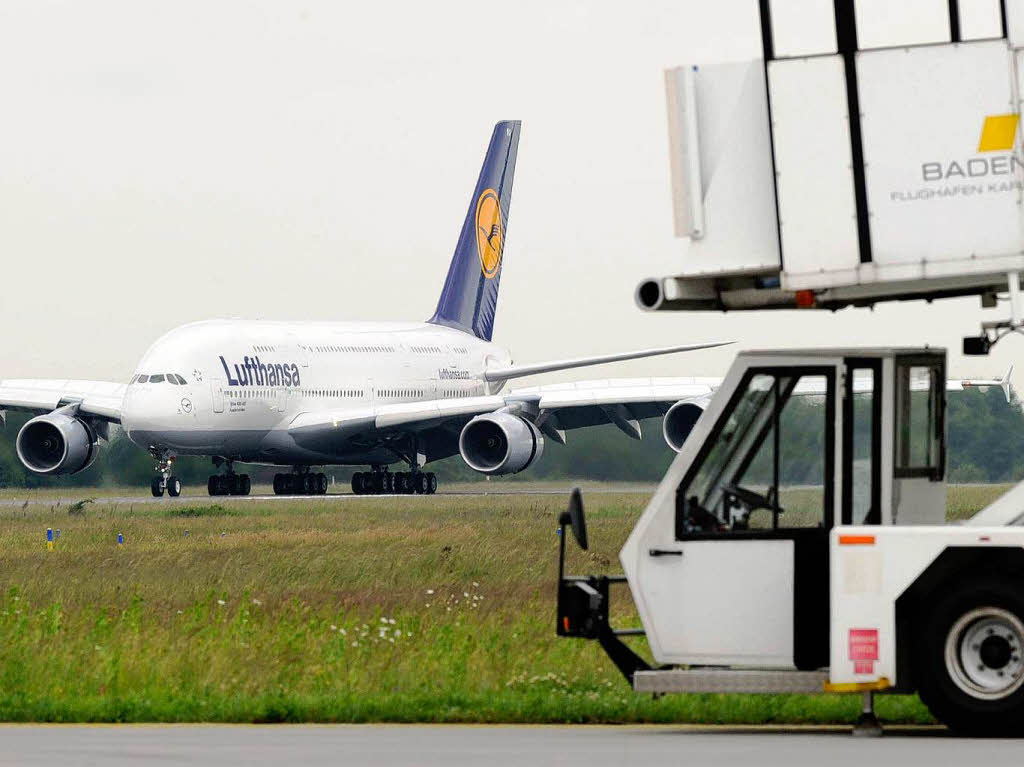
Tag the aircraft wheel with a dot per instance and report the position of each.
(277, 484)
(244, 484)
(410, 484)
(173, 487)
(307, 484)
(157, 487)
(357, 483)
(431, 483)
(323, 483)
(400, 482)
(421, 484)
(213, 485)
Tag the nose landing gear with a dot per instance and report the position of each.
(166, 481)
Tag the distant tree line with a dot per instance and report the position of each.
(986, 444)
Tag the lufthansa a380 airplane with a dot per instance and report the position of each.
(306, 394)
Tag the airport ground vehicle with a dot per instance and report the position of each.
(852, 582)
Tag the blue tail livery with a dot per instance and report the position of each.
(470, 295)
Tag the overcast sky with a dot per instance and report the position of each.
(167, 162)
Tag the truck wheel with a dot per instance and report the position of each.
(970, 652)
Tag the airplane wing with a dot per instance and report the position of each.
(519, 371)
(555, 408)
(101, 399)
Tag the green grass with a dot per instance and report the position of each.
(418, 609)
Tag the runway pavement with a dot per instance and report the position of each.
(493, 746)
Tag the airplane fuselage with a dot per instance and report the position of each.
(246, 380)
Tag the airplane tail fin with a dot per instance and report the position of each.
(469, 298)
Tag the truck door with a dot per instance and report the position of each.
(747, 579)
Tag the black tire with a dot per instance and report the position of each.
(173, 487)
(410, 484)
(986, 699)
(431, 483)
(321, 484)
(213, 485)
(244, 484)
(421, 484)
(357, 483)
(156, 487)
(388, 483)
(307, 484)
(277, 484)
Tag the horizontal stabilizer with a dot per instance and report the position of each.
(1003, 383)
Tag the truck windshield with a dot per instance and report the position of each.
(769, 455)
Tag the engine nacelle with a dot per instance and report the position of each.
(500, 443)
(680, 419)
(57, 443)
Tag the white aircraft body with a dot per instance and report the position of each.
(306, 394)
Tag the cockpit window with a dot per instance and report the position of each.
(158, 378)
(142, 379)
(181, 380)
(133, 380)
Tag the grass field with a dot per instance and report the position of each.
(414, 609)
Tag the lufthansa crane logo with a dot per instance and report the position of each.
(490, 234)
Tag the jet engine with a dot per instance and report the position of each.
(57, 443)
(679, 420)
(500, 443)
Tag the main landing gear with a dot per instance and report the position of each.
(300, 482)
(228, 483)
(166, 481)
(383, 482)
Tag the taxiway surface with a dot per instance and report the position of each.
(495, 746)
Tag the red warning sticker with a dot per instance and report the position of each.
(863, 650)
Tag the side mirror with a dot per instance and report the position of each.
(574, 517)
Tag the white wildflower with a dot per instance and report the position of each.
(333, 627)
(430, 591)
(220, 601)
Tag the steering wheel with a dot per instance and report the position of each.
(752, 500)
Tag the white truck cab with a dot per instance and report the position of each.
(798, 543)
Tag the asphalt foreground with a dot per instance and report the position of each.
(495, 746)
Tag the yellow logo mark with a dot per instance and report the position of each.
(998, 133)
(490, 234)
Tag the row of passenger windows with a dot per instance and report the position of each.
(269, 393)
(401, 393)
(263, 348)
(331, 348)
(426, 349)
(173, 378)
